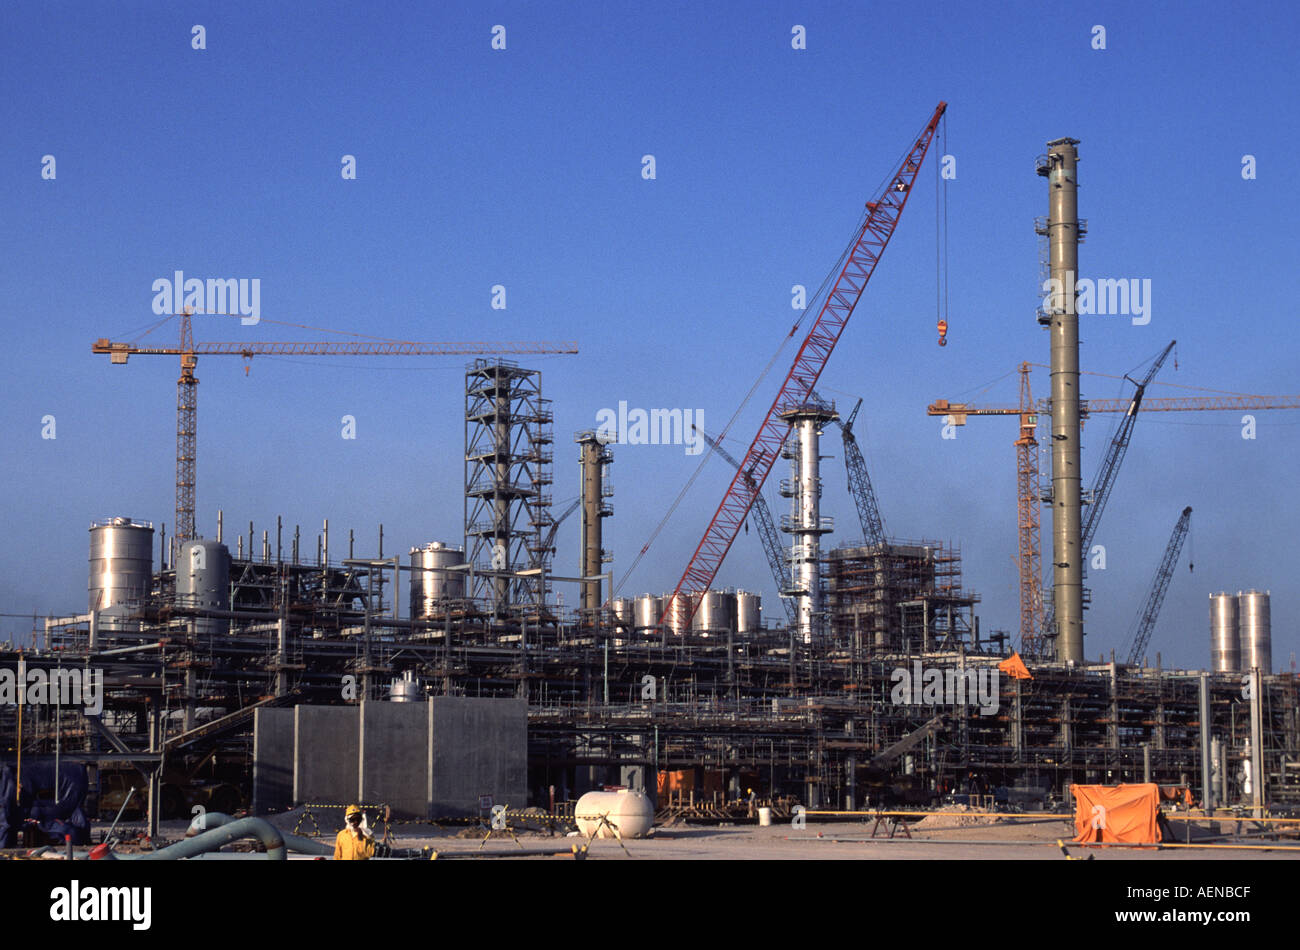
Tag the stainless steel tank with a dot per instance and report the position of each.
(624, 613)
(1225, 649)
(432, 585)
(121, 567)
(749, 612)
(1254, 630)
(716, 613)
(645, 615)
(203, 580)
(406, 689)
(677, 611)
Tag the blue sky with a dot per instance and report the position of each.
(522, 168)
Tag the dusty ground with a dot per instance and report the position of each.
(933, 838)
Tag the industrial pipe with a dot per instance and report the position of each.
(262, 830)
(299, 843)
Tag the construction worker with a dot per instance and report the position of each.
(355, 842)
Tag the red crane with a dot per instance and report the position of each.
(860, 261)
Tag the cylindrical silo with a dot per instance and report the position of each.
(121, 567)
(432, 584)
(749, 612)
(677, 611)
(1254, 630)
(646, 613)
(1225, 650)
(624, 613)
(203, 580)
(716, 613)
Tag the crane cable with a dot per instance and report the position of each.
(941, 240)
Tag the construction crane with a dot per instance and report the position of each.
(1146, 620)
(1115, 452)
(1034, 618)
(864, 496)
(548, 543)
(1095, 502)
(1028, 516)
(767, 532)
(869, 242)
(1037, 620)
(187, 384)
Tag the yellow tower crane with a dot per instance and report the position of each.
(187, 384)
(1028, 491)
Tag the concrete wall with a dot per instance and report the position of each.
(394, 757)
(476, 747)
(326, 752)
(272, 760)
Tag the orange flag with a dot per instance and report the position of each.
(1015, 667)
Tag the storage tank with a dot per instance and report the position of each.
(628, 811)
(1225, 650)
(676, 612)
(1254, 630)
(645, 615)
(406, 689)
(431, 582)
(203, 580)
(624, 613)
(121, 567)
(716, 613)
(749, 612)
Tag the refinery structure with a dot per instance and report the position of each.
(225, 651)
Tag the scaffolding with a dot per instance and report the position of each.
(899, 597)
(508, 437)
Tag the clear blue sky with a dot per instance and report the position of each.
(523, 168)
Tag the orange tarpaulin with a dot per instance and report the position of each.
(1117, 813)
(1015, 667)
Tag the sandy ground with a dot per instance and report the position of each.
(1015, 839)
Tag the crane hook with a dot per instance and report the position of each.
(943, 332)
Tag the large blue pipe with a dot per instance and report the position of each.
(302, 845)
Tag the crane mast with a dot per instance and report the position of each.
(1146, 621)
(869, 242)
(864, 495)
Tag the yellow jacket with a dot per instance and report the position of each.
(350, 847)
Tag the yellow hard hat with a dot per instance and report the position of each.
(352, 810)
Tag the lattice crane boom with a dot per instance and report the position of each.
(860, 487)
(1146, 621)
(869, 242)
(767, 533)
(1115, 456)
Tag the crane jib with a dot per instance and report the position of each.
(869, 243)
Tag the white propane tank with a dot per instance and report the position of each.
(629, 811)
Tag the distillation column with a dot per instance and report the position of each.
(805, 522)
(594, 456)
(1063, 238)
